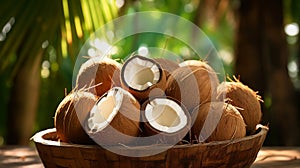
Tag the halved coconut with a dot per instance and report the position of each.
(167, 65)
(143, 77)
(193, 84)
(115, 118)
(246, 99)
(165, 118)
(217, 121)
(70, 115)
(195, 63)
(98, 74)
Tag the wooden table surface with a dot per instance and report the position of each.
(268, 157)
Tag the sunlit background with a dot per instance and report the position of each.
(49, 34)
(292, 30)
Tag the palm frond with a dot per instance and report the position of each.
(68, 23)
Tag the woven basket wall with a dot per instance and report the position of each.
(230, 154)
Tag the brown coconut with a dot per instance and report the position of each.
(70, 115)
(143, 77)
(115, 118)
(247, 101)
(194, 63)
(167, 65)
(217, 121)
(98, 74)
(193, 84)
(164, 120)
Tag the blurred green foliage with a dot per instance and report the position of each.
(79, 19)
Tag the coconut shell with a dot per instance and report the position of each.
(155, 136)
(195, 63)
(193, 85)
(154, 90)
(70, 116)
(99, 74)
(124, 126)
(217, 121)
(167, 65)
(247, 101)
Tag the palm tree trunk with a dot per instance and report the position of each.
(248, 52)
(21, 116)
(261, 60)
(284, 104)
(24, 98)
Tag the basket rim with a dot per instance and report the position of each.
(38, 138)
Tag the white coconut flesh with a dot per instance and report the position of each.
(165, 115)
(105, 110)
(140, 74)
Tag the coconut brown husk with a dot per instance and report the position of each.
(247, 101)
(161, 137)
(97, 75)
(217, 121)
(124, 126)
(193, 84)
(70, 116)
(167, 65)
(154, 90)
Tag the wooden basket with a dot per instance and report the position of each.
(232, 153)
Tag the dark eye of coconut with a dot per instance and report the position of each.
(141, 73)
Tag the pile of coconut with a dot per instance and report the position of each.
(176, 103)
